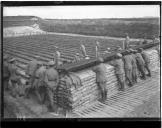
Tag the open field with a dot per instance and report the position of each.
(136, 27)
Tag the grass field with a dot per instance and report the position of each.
(136, 27)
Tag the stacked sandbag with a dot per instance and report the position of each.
(63, 93)
(154, 59)
(80, 89)
(77, 90)
(111, 84)
(88, 92)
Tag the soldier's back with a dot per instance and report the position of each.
(139, 59)
(51, 73)
(127, 62)
(145, 57)
(32, 66)
(119, 66)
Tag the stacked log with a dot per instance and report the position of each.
(154, 60)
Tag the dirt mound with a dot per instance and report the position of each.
(22, 30)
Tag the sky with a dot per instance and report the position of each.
(81, 12)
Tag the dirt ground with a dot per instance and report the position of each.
(150, 108)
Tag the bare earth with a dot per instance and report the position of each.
(150, 108)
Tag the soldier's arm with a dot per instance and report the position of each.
(112, 63)
(45, 77)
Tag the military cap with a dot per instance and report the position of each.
(12, 60)
(100, 59)
(119, 55)
(51, 63)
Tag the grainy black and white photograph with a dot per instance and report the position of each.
(81, 61)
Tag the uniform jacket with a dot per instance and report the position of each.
(139, 59)
(127, 62)
(32, 67)
(13, 71)
(41, 72)
(51, 77)
(134, 62)
(100, 71)
(145, 57)
(119, 66)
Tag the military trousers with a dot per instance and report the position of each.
(14, 87)
(148, 68)
(141, 69)
(102, 89)
(50, 99)
(121, 81)
(128, 75)
(134, 75)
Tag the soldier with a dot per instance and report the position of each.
(31, 69)
(147, 61)
(101, 79)
(51, 81)
(77, 57)
(83, 50)
(97, 49)
(6, 73)
(128, 68)
(134, 67)
(119, 70)
(126, 42)
(39, 80)
(57, 57)
(145, 40)
(140, 64)
(14, 77)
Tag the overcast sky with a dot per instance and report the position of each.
(79, 12)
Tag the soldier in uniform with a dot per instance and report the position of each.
(39, 80)
(77, 57)
(140, 64)
(57, 57)
(101, 79)
(97, 49)
(145, 40)
(6, 73)
(126, 42)
(14, 77)
(147, 61)
(134, 67)
(31, 69)
(119, 70)
(128, 68)
(51, 79)
(83, 50)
